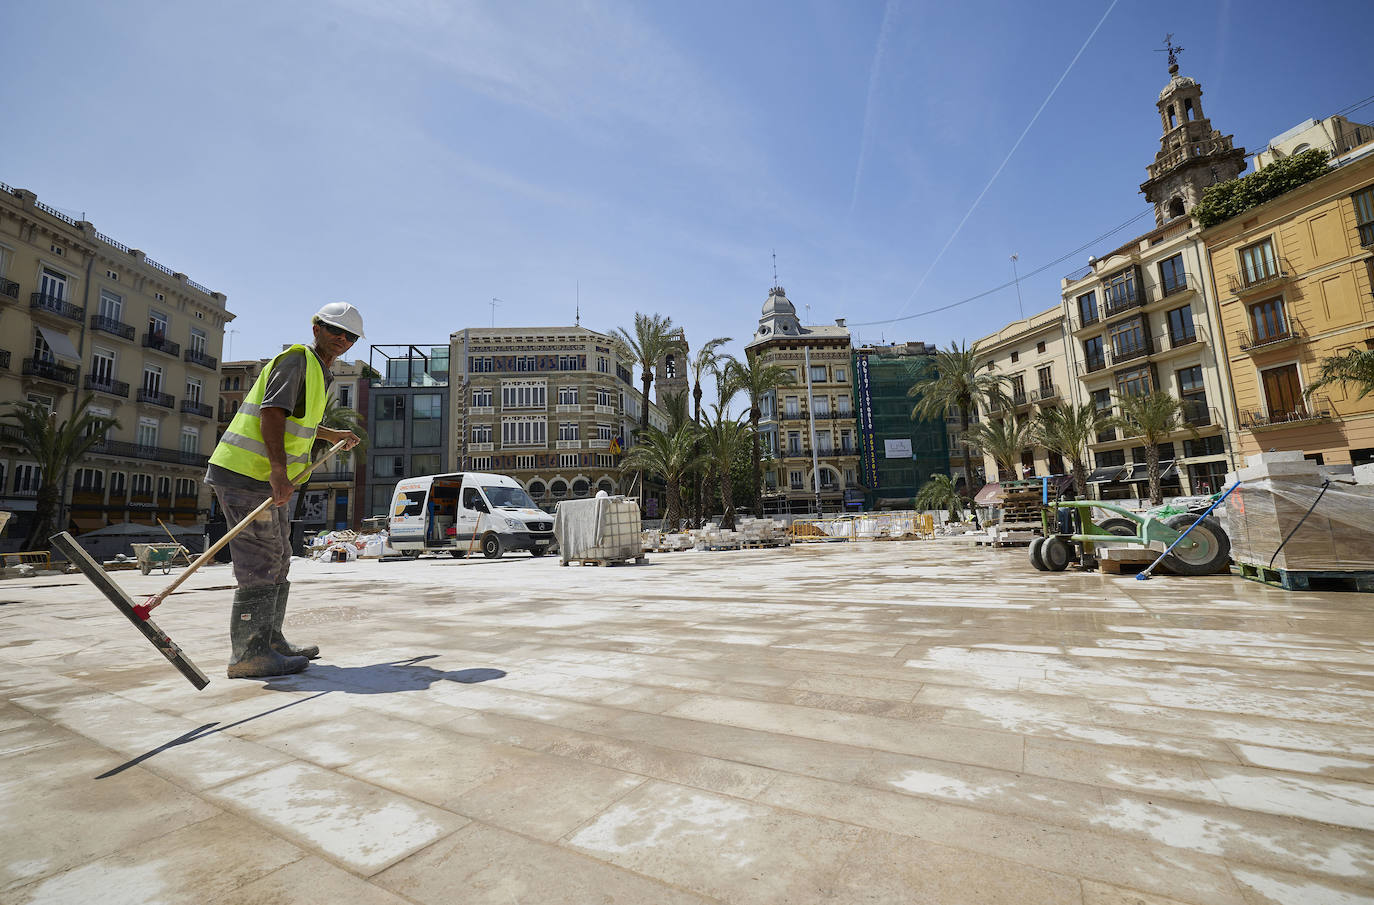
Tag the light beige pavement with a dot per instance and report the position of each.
(884, 723)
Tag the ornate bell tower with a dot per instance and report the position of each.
(1192, 155)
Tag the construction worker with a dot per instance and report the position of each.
(263, 452)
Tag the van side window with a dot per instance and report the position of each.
(410, 503)
(472, 499)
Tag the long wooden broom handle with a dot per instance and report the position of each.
(156, 600)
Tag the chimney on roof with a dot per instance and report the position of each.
(839, 322)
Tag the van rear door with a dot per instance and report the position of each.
(408, 512)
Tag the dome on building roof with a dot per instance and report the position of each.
(778, 304)
(1175, 83)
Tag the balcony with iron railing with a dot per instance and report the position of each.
(155, 397)
(1175, 285)
(107, 385)
(1091, 365)
(1307, 411)
(1291, 332)
(151, 453)
(199, 409)
(1243, 284)
(42, 303)
(1197, 414)
(1123, 299)
(1121, 356)
(112, 326)
(1366, 235)
(159, 343)
(39, 369)
(9, 289)
(1045, 393)
(201, 359)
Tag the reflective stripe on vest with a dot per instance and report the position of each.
(242, 449)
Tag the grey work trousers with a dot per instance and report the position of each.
(261, 551)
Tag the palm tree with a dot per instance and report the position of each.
(939, 493)
(670, 456)
(54, 448)
(722, 441)
(708, 360)
(1004, 439)
(1067, 431)
(755, 380)
(956, 384)
(654, 336)
(1355, 367)
(1152, 417)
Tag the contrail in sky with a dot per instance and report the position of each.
(878, 52)
(1007, 159)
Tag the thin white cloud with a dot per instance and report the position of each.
(874, 69)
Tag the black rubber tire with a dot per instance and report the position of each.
(1122, 527)
(1056, 553)
(457, 554)
(1034, 553)
(491, 546)
(538, 551)
(1206, 549)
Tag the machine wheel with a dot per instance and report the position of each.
(1121, 527)
(538, 551)
(1204, 551)
(491, 546)
(145, 568)
(457, 554)
(1055, 553)
(1034, 553)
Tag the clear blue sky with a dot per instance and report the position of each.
(419, 157)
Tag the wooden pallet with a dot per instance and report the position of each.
(764, 544)
(1306, 580)
(604, 562)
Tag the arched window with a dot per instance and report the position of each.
(537, 490)
(606, 485)
(559, 488)
(581, 487)
(1176, 208)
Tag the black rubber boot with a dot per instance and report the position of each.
(279, 642)
(250, 628)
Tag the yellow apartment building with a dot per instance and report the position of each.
(82, 314)
(1293, 279)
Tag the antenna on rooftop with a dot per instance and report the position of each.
(1173, 51)
(775, 267)
(494, 302)
(577, 320)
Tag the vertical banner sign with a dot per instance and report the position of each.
(868, 456)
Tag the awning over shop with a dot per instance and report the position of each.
(1168, 470)
(1141, 472)
(59, 344)
(990, 495)
(1106, 474)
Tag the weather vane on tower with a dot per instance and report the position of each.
(1172, 51)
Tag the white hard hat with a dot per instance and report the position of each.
(341, 315)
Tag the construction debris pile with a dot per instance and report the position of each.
(748, 533)
(1292, 515)
(346, 546)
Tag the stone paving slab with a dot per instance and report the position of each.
(896, 722)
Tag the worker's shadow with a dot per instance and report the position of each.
(380, 678)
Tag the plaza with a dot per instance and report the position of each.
(904, 722)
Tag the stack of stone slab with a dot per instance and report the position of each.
(762, 532)
(605, 528)
(1277, 490)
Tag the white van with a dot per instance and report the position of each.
(458, 513)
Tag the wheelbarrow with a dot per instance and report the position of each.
(157, 556)
(1204, 550)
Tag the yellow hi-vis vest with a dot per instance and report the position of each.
(242, 449)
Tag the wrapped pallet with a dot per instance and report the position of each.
(1314, 519)
(606, 528)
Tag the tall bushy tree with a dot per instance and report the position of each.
(1152, 417)
(723, 439)
(1068, 431)
(755, 380)
(670, 456)
(54, 447)
(956, 383)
